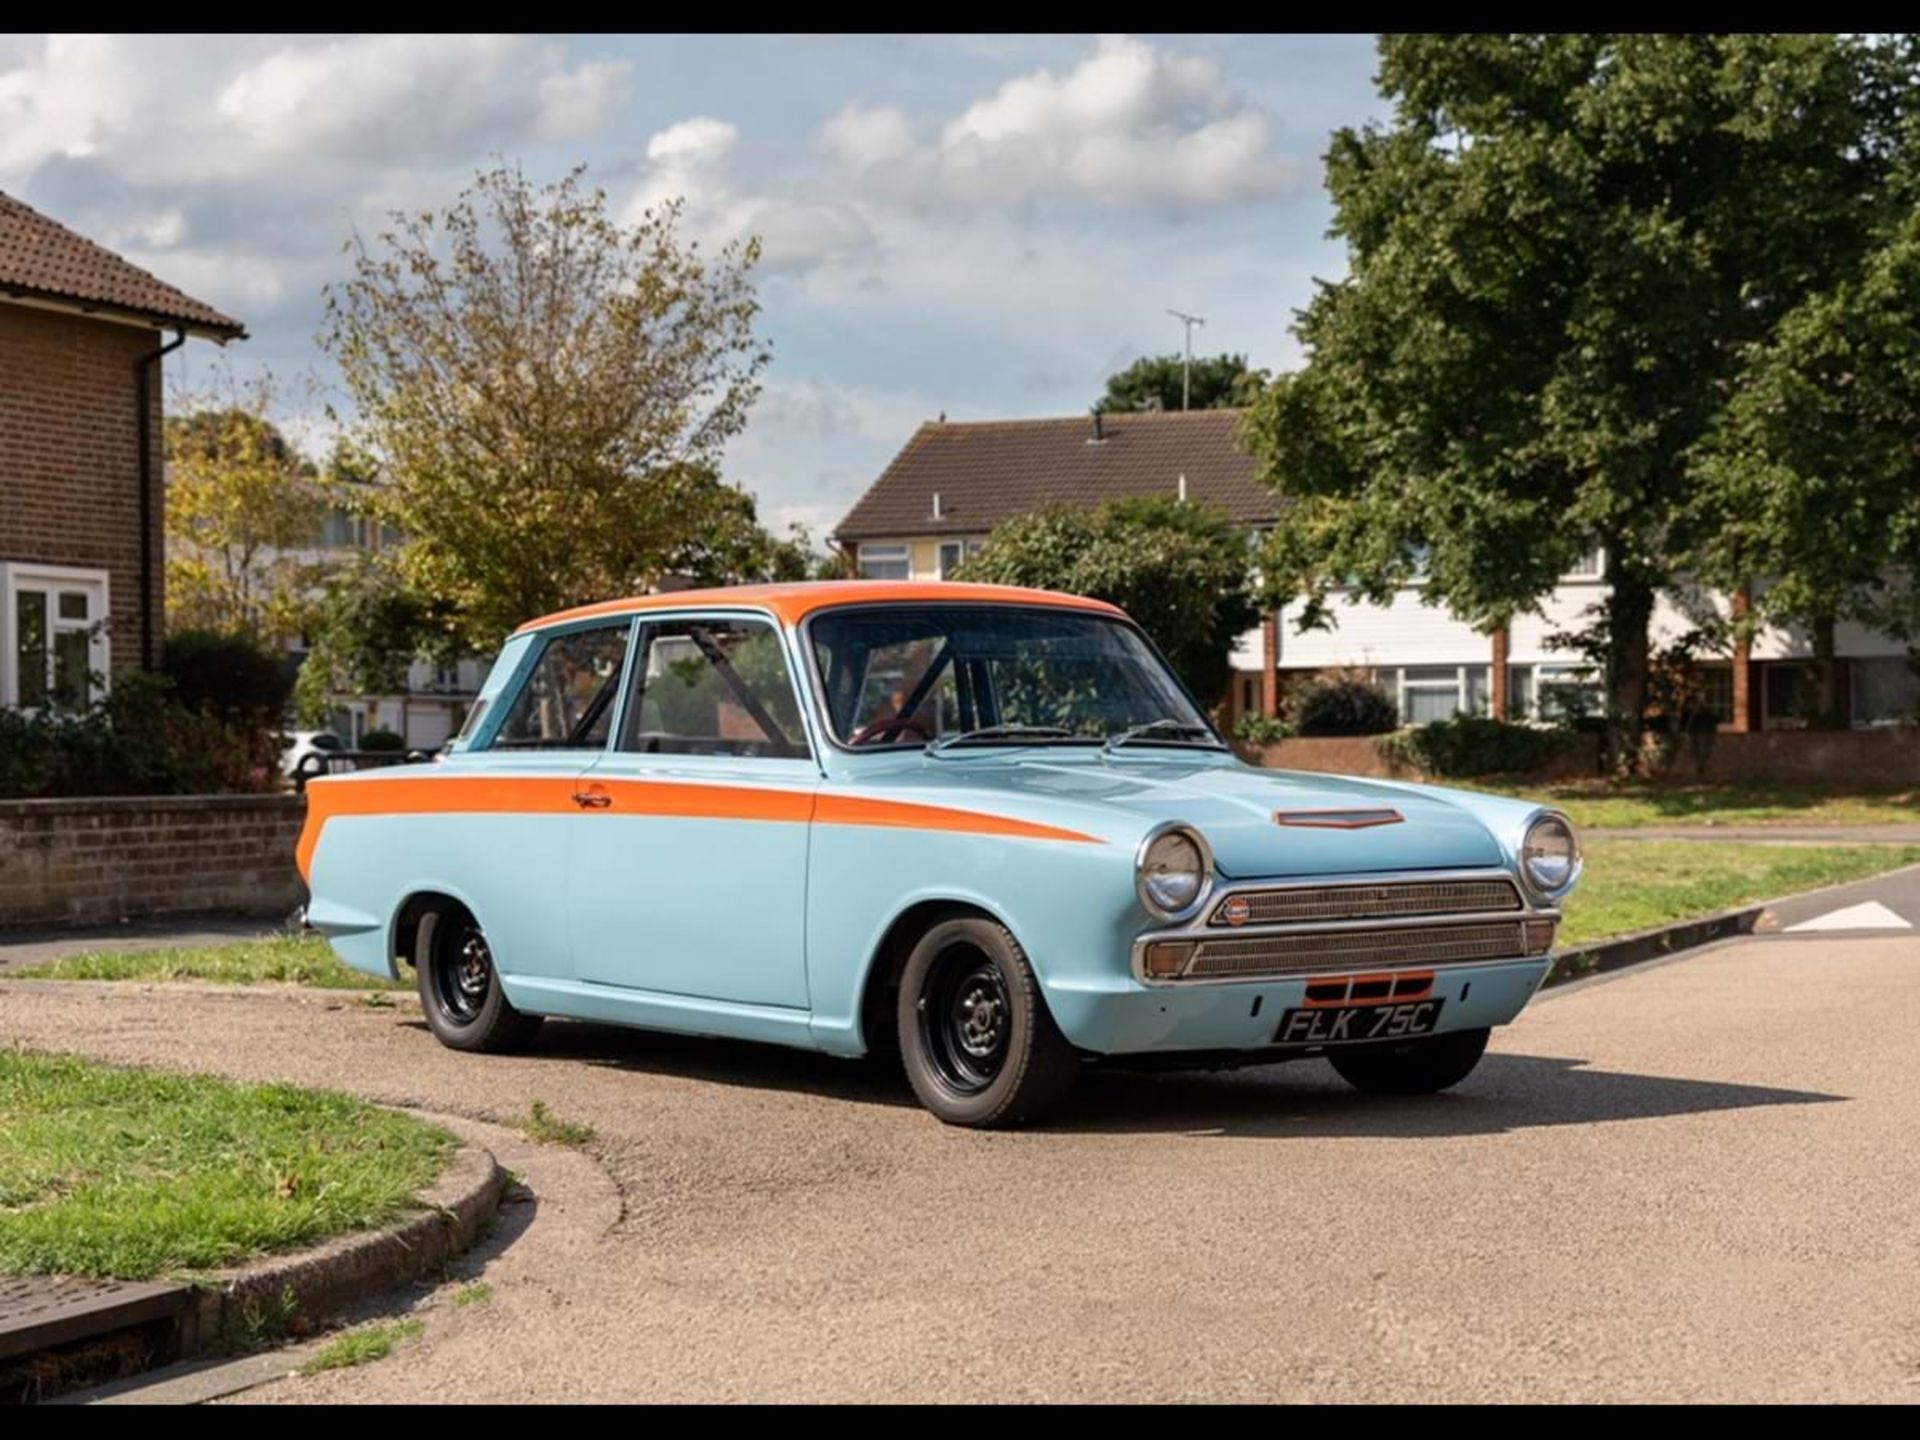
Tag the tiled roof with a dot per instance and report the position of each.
(40, 259)
(991, 471)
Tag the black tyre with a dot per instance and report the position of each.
(459, 988)
(1411, 1067)
(977, 1042)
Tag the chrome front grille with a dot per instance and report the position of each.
(1293, 905)
(1318, 952)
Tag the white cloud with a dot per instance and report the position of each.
(1129, 125)
(694, 161)
(173, 110)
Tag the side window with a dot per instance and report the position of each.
(713, 687)
(566, 700)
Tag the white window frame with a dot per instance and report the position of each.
(1459, 685)
(1590, 566)
(18, 575)
(888, 555)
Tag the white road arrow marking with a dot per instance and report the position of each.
(1871, 915)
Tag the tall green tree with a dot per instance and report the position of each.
(242, 506)
(1180, 568)
(1156, 382)
(1811, 478)
(1562, 249)
(546, 392)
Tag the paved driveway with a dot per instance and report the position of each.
(1699, 1180)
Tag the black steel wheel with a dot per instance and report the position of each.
(460, 990)
(976, 1040)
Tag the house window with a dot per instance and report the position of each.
(885, 562)
(1426, 693)
(53, 636)
(1886, 691)
(1590, 566)
(1552, 693)
(1711, 692)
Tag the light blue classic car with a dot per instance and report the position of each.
(986, 828)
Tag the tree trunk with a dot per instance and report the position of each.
(1629, 618)
(1828, 711)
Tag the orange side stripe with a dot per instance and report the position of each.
(533, 795)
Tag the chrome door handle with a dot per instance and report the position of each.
(595, 799)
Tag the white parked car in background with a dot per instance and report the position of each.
(302, 743)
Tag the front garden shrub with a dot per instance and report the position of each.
(1468, 745)
(1345, 707)
(382, 740)
(139, 740)
(1253, 728)
(232, 677)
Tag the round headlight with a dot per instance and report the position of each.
(1172, 872)
(1550, 856)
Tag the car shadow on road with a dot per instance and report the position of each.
(722, 1062)
(1300, 1099)
(1305, 1099)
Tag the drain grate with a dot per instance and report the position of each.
(38, 1312)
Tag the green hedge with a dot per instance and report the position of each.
(1469, 745)
(1344, 707)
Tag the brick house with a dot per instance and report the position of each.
(82, 334)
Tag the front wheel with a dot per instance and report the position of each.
(1411, 1067)
(460, 990)
(977, 1042)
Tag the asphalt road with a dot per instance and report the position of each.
(1697, 1180)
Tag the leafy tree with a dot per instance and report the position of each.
(1153, 382)
(546, 392)
(372, 626)
(1179, 568)
(1561, 249)
(1811, 477)
(241, 505)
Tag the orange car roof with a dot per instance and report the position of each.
(795, 601)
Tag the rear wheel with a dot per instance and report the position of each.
(1412, 1067)
(976, 1040)
(459, 987)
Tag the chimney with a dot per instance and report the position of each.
(936, 504)
(1097, 436)
(1183, 486)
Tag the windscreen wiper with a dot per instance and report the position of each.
(999, 732)
(1168, 728)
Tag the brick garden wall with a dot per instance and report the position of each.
(99, 861)
(69, 455)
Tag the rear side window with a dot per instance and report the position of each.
(714, 687)
(566, 700)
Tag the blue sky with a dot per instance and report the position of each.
(985, 226)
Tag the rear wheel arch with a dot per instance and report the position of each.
(405, 930)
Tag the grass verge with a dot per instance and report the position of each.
(1635, 884)
(108, 1171)
(547, 1128)
(1596, 804)
(362, 1345)
(271, 959)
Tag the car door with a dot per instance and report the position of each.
(502, 842)
(688, 863)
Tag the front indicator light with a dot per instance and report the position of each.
(1166, 959)
(1540, 936)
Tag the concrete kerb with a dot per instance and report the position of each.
(315, 1284)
